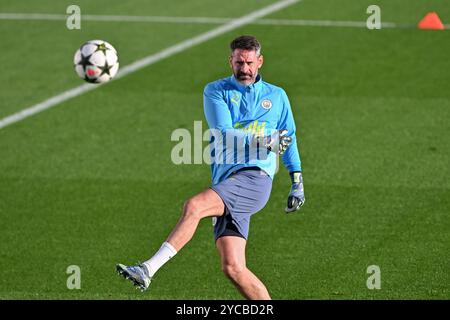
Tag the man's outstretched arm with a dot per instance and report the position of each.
(291, 159)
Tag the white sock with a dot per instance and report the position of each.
(164, 254)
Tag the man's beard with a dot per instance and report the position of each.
(241, 76)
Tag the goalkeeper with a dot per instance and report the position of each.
(257, 117)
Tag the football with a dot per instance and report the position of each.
(96, 61)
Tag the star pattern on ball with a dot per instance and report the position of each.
(85, 61)
(101, 47)
(105, 69)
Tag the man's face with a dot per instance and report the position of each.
(245, 65)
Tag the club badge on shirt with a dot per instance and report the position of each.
(266, 104)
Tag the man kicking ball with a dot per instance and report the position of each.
(251, 124)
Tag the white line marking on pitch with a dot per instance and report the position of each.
(139, 64)
(201, 20)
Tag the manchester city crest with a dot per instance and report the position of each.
(266, 104)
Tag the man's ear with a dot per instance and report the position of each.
(261, 61)
(230, 58)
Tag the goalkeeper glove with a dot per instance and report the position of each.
(296, 196)
(277, 142)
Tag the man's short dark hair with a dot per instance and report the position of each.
(246, 43)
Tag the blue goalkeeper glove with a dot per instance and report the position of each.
(296, 196)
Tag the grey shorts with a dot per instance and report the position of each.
(244, 193)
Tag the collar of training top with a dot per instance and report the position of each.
(242, 87)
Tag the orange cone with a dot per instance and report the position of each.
(431, 21)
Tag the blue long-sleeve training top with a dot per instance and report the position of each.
(235, 114)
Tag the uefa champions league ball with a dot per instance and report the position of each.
(96, 61)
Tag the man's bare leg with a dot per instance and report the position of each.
(232, 253)
(205, 204)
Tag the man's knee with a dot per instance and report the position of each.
(191, 209)
(233, 270)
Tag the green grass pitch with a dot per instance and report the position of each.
(90, 182)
